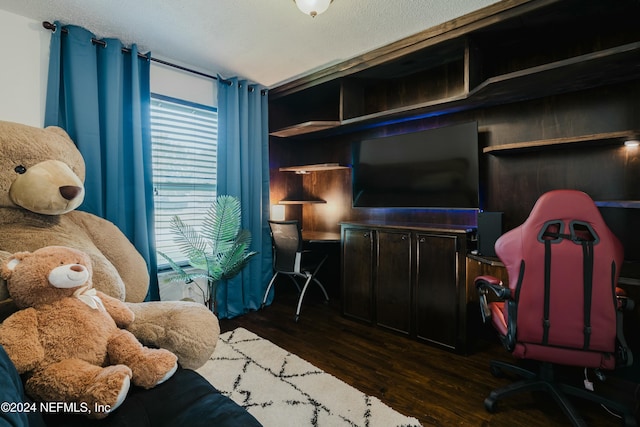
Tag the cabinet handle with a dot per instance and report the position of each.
(404, 237)
(365, 235)
(422, 240)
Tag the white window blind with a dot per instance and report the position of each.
(184, 140)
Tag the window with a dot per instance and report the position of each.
(184, 140)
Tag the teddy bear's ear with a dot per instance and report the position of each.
(10, 264)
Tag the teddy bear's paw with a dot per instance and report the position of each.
(101, 411)
(168, 374)
(158, 365)
(108, 390)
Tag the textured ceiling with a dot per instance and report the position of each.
(266, 41)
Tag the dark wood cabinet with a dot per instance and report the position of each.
(437, 289)
(393, 280)
(357, 273)
(416, 276)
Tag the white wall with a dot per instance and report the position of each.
(172, 82)
(24, 46)
(24, 62)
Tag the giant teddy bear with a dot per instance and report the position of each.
(67, 338)
(41, 184)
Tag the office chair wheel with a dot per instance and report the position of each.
(296, 318)
(496, 371)
(262, 306)
(490, 405)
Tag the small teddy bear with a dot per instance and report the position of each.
(67, 337)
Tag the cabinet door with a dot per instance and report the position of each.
(393, 280)
(357, 273)
(436, 290)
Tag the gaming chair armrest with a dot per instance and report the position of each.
(624, 303)
(484, 284)
(624, 356)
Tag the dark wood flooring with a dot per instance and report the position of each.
(435, 386)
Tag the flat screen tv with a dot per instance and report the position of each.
(435, 168)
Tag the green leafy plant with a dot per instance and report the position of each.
(218, 252)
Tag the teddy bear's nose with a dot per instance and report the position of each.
(77, 267)
(69, 192)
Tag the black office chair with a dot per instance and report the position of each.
(291, 260)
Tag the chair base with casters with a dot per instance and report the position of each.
(309, 277)
(544, 380)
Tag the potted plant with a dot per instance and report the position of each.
(218, 252)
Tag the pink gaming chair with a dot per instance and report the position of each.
(562, 306)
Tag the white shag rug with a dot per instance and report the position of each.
(280, 389)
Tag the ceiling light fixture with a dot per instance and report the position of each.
(631, 143)
(312, 7)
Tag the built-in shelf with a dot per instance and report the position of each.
(615, 64)
(629, 281)
(305, 169)
(631, 204)
(300, 202)
(595, 139)
(317, 167)
(445, 105)
(306, 127)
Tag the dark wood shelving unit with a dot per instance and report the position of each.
(305, 199)
(607, 138)
(581, 72)
(553, 86)
(294, 114)
(462, 73)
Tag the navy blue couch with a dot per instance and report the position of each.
(186, 399)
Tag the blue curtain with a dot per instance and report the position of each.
(101, 95)
(243, 172)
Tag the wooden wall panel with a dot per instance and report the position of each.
(514, 181)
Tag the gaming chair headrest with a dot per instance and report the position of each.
(565, 205)
(571, 213)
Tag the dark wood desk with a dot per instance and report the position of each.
(320, 236)
(328, 243)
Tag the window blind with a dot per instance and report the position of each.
(184, 150)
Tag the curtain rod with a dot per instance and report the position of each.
(49, 26)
